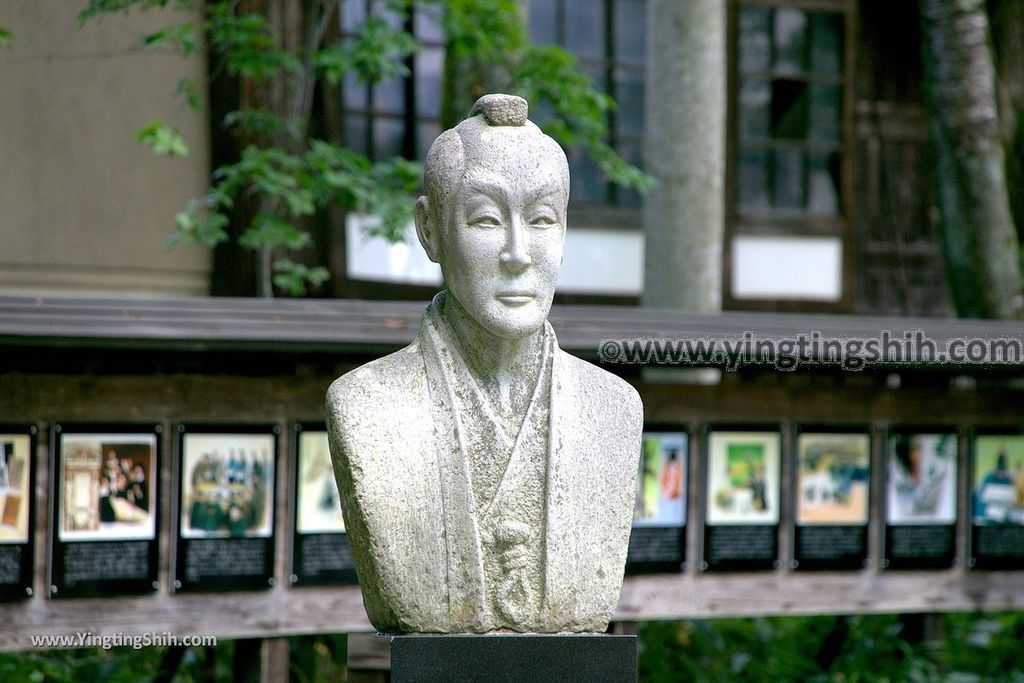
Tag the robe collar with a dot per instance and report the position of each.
(465, 573)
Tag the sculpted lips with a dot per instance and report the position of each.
(515, 298)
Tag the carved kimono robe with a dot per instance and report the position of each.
(540, 547)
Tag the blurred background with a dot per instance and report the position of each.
(848, 157)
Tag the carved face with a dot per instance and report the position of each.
(502, 247)
(499, 236)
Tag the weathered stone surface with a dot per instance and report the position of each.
(486, 476)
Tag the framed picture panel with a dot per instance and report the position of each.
(997, 498)
(658, 539)
(320, 550)
(920, 498)
(17, 509)
(831, 487)
(224, 507)
(742, 497)
(104, 509)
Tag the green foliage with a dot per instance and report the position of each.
(985, 647)
(376, 54)
(859, 649)
(293, 278)
(164, 140)
(5, 37)
(188, 89)
(549, 74)
(295, 186)
(246, 44)
(181, 35)
(970, 648)
(286, 177)
(98, 8)
(486, 32)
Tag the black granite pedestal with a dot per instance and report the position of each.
(512, 658)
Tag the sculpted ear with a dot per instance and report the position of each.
(426, 230)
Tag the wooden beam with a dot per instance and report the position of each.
(342, 326)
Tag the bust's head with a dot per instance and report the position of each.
(494, 215)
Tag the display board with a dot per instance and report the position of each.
(17, 507)
(104, 509)
(224, 513)
(832, 497)
(997, 499)
(920, 498)
(320, 550)
(658, 540)
(742, 498)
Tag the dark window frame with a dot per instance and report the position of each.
(619, 208)
(777, 222)
(409, 115)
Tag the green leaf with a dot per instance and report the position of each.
(549, 74)
(246, 43)
(294, 279)
(180, 35)
(98, 8)
(269, 231)
(377, 53)
(164, 140)
(253, 121)
(189, 89)
(5, 37)
(333, 61)
(199, 223)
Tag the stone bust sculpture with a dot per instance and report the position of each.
(487, 477)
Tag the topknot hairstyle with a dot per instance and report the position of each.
(446, 161)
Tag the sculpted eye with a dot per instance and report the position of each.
(543, 221)
(486, 220)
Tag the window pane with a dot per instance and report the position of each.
(823, 184)
(596, 72)
(754, 108)
(542, 21)
(429, 68)
(353, 14)
(825, 112)
(790, 40)
(789, 109)
(425, 135)
(826, 42)
(394, 19)
(630, 25)
(788, 167)
(632, 151)
(587, 183)
(427, 22)
(752, 179)
(355, 133)
(387, 137)
(629, 94)
(354, 91)
(754, 40)
(389, 97)
(584, 28)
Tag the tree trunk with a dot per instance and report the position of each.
(979, 240)
(684, 214)
(1007, 21)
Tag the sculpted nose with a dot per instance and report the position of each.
(516, 257)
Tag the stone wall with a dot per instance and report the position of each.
(84, 205)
